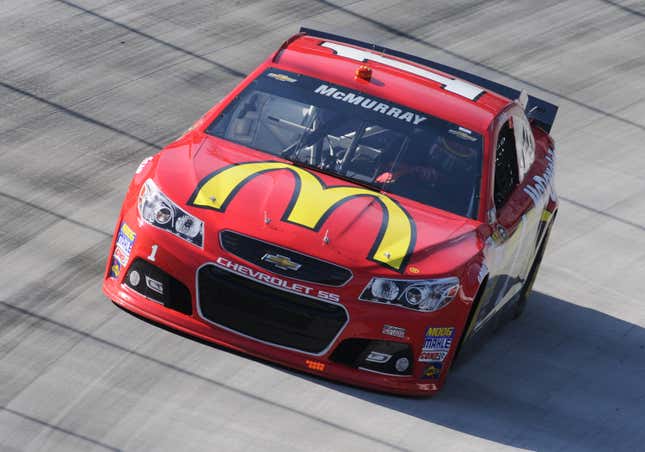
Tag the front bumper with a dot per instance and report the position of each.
(365, 321)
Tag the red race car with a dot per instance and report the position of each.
(348, 210)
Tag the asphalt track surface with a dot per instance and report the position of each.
(88, 89)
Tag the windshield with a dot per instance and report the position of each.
(355, 136)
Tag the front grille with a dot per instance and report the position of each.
(311, 269)
(266, 313)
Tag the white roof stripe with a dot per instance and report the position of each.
(460, 87)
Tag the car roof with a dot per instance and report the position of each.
(395, 79)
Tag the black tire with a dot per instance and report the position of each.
(520, 305)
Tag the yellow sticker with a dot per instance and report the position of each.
(129, 233)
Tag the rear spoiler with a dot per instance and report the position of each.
(539, 110)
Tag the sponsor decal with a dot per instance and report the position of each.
(393, 331)
(275, 281)
(124, 243)
(282, 262)
(125, 239)
(281, 77)
(428, 356)
(155, 285)
(121, 256)
(312, 203)
(460, 87)
(437, 343)
(378, 357)
(439, 338)
(432, 372)
(462, 133)
(544, 182)
(115, 268)
(370, 104)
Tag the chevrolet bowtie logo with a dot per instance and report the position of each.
(282, 262)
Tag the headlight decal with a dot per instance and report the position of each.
(420, 295)
(156, 209)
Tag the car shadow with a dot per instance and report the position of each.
(560, 377)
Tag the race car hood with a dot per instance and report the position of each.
(231, 187)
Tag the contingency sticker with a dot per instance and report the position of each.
(462, 133)
(432, 372)
(121, 256)
(393, 331)
(437, 343)
(432, 355)
(126, 237)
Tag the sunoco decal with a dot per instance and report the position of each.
(275, 281)
(311, 205)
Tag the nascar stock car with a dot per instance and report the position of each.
(348, 210)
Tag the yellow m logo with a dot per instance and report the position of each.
(312, 202)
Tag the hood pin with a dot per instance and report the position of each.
(326, 237)
(267, 220)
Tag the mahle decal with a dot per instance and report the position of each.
(311, 204)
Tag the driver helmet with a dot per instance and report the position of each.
(453, 152)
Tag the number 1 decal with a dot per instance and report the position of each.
(153, 253)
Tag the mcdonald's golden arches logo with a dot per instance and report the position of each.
(312, 203)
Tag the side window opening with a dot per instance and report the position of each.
(525, 145)
(506, 169)
(529, 148)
